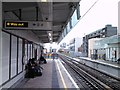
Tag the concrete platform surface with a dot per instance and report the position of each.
(54, 76)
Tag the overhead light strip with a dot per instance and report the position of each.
(44, 0)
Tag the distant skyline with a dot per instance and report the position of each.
(102, 13)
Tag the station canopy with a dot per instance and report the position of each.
(45, 19)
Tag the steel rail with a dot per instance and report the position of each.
(97, 84)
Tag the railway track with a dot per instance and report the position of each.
(94, 78)
(81, 82)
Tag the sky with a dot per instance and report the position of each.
(102, 13)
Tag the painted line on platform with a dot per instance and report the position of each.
(63, 81)
(76, 86)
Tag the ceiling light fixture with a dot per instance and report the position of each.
(50, 38)
(49, 34)
(43, 0)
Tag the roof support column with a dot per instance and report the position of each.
(0, 43)
(118, 30)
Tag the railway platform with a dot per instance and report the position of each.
(109, 67)
(111, 63)
(54, 76)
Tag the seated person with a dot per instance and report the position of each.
(42, 59)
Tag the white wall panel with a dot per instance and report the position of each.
(26, 52)
(33, 50)
(14, 80)
(20, 56)
(29, 51)
(38, 52)
(0, 42)
(13, 56)
(5, 56)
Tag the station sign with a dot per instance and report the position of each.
(30, 25)
(16, 24)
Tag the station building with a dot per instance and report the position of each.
(107, 48)
(107, 31)
(73, 46)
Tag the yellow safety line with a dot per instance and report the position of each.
(63, 81)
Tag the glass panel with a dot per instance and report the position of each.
(68, 27)
(62, 34)
(20, 56)
(74, 19)
(70, 23)
(65, 32)
(78, 11)
(5, 56)
(13, 56)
